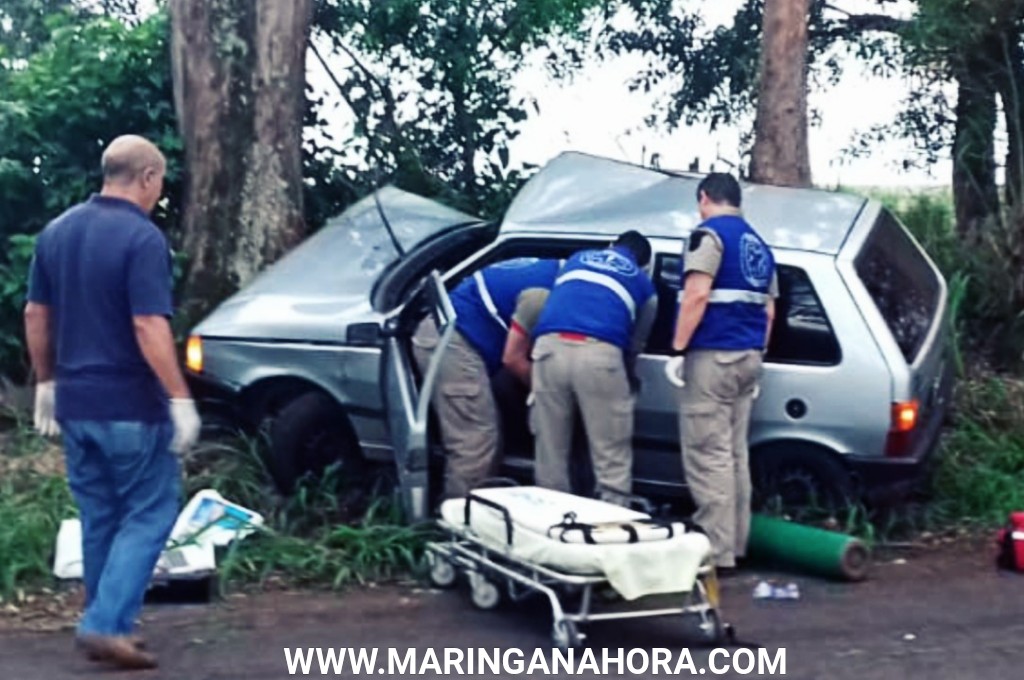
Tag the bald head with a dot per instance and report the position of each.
(133, 169)
(129, 156)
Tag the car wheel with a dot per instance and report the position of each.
(800, 479)
(309, 434)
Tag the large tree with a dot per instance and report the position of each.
(239, 78)
(780, 154)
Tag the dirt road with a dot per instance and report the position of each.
(943, 614)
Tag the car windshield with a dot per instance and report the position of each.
(352, 250)
(902, 282)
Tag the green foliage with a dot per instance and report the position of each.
(982, 458)
(14, 269)
(327, 533)
(92, 82)
(32, 505)
(430, 84)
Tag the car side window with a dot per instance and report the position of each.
(801, 333)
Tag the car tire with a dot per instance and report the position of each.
(798, 478)
(309, 434)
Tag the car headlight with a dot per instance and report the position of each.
(194, 354)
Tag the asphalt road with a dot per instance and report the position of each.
(943, 614)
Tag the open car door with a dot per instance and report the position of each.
(408, 404)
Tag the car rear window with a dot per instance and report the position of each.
(901, 281)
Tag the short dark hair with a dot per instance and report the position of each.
(636, 243)
(721, 187)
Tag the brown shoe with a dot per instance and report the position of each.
(121, 651)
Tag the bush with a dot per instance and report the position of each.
(982, 456)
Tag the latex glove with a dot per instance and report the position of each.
(45, 416)
(674, 370)
(186, 425)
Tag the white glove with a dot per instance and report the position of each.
(674, 370)
(45, 416)
(186, 425)
(530, 400)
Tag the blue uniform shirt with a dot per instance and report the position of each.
(96, 266)
(485, 302)
(598, 294)
(736, 318)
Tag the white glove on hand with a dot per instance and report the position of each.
(674, 370)
(45, 416)
(186, 425)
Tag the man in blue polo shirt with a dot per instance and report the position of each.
(594, 325)
(495, 310)
(107, 375)
(726, 309)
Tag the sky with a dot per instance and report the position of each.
(597, 113)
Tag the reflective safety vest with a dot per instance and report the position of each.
(598, 293)
(735, 318)
(485, 302)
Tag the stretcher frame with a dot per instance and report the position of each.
(488, 568)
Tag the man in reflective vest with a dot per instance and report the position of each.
(496, 309)
(725, 315)
(594, 324)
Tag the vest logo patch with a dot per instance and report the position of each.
(754, 261)
(609, 261)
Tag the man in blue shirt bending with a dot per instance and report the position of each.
(107, 375)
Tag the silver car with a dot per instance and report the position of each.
(856, 377)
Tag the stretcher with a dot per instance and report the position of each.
(518, 542)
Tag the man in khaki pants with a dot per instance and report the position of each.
(495, 310)
(596, 320)
(726, 310)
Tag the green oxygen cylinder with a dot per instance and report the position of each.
(809, 549)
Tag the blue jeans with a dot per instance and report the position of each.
(127, 485)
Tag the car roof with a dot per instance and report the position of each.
(582, 194)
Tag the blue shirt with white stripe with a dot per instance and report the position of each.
(736, 318)
(485, 302)
(598, 293)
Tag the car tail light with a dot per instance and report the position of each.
(194, 354)
(901, 430)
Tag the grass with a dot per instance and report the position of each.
(323, 535)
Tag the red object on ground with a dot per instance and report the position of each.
(1011, 543)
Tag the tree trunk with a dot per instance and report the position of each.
(780, 154)
(975, 194)
(239, 78)
(1011, 91)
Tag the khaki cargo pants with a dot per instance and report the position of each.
(592, 375)
(465, 408)
(714, 422)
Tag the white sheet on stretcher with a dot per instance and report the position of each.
(648, 567)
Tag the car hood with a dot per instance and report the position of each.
(580, 194)
(322, 285)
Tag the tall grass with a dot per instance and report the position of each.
(325, 534)
(32, 505)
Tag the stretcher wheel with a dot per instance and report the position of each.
(483, 591)
(706, 625)
(442, 572)
(565, 635)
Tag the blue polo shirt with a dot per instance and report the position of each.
(96, 266)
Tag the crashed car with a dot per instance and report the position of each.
(856, 375)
